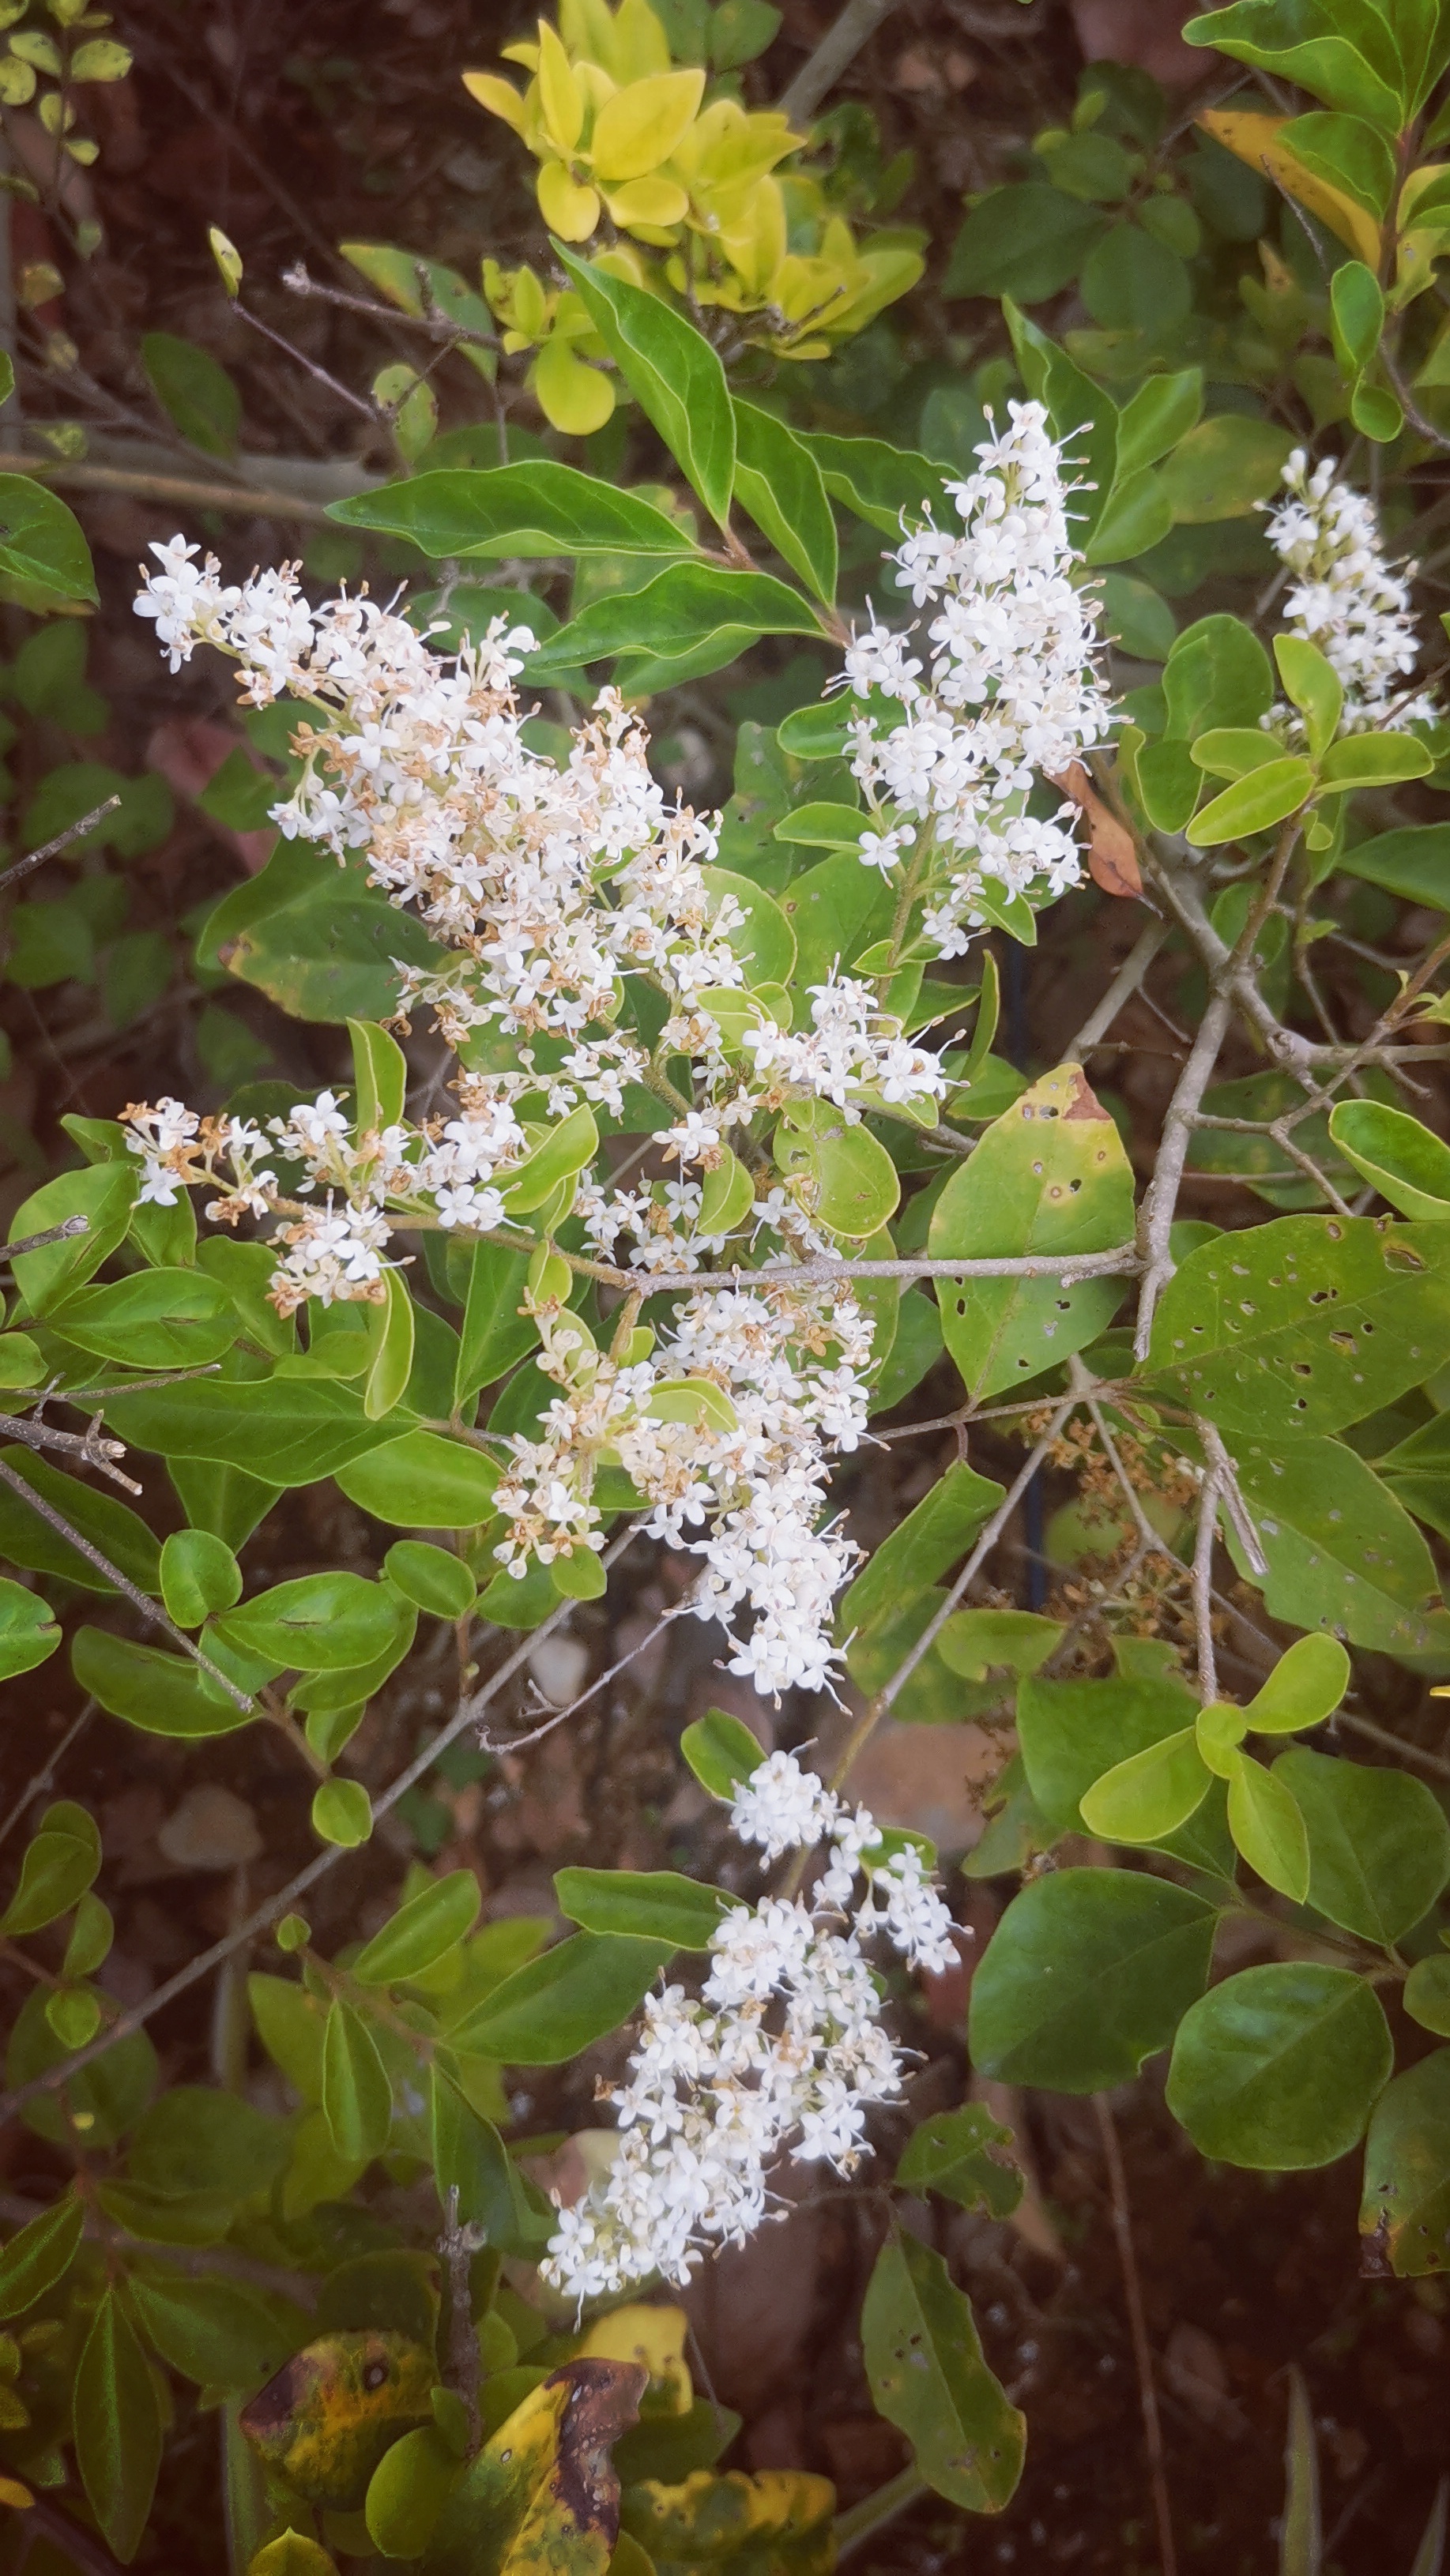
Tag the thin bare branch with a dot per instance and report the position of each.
(253, 501)
(1122, 988)
(1138, 2329)
(87, 1446)
(837, 49)
(73, 1225)
(44, 1778)
(1160, 1201)
(62, 841)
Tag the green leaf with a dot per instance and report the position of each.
(1313, 684)
(1088, 1973)
(1306, 1686)
(1402, 1158)
(882, 484)
(430, 1578)
(556, 2005)
(1224, 467)
(319, 1623)
(565, 1150)
(104, 1196)
(1346, 152)
(287, 1431)
(823, 827)
(408, 2490)
(1357, 314)
(928, 2377)
(1405, 2212)
(157, 1319)
(651, 1905)
(1083, 416)
(43, 554)
(1267, 796)
(380, 1076)
(60, 1863)
(935, 1533)
(834, 908)
(778, 481)
(357, 2100)
(721, 1751)
(852, 1183)
(1339, 50)
(470, 2157)
(1137, 617)
(40, 2254)
(1151, 1794)
(1342, 1551)
(29, 1540)
(117, 2427)
(333, 952)
(199, 1576)
(1374, 760)
(673, 373)
(291, 2554)
(690, 619)
(196, 2140)
(342, 1813)
(516, 511)
(162, 1694)
(1267, 1827)
(1025, 241)
(1217, 675)
(424, 1480)
(1073, 1733)
(1133, 282)
(1278, 2068)
(1426, 1995)
(495, 1335)
(976, 1642)
(194, 390)
(1379, 1845)
(1159, 414)
(1050, 1176)
(764, 942)
(421, 1931)
(216, 2332)
(28, 1629)
(1305, 1324)
(963, 2155)
(390, 1334)
(1413, 863)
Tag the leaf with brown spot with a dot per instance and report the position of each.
(1112, 854)
(542, 2497)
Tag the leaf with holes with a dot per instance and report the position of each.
(1305, 1324)
(1343, 1554)
(1049, 1176)
(1405, 2213)
(929, 2377)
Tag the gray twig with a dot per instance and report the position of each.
(1123, 986)
(35, 859)
(53, 1233)
(1160, 1201)
(841, 44)
(1138, 2329)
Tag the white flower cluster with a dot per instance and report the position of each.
(726, 1421)
(1013, 691)
(784, 2048)
(1346, 599)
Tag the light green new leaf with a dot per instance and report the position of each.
(1088, 1973)
(1268, 795)
(1267, 1827)
(1314, 685)
(1379, 1845)
(357, 2098)
(672, 372)
(778, 481)
(1278, 2068)
(117, 2426)
(1402, 1158)
(156, 1319)
(104, 1195)
(1149, 1795)
(928, 2376)
(1306, 1686)
(516, 511)
(1050, 1176)
(430, 1577)
(423, 1480)
(1373, 760)
(721, 1751)
(421, 1931)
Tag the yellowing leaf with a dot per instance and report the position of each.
(572, 397)
(653, 2337)
(639, 127)
(560, 95)
(569, 208)
(544, 2489)
(1254, 139)
(648, 201)
(498, 96)
(324, 2421)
